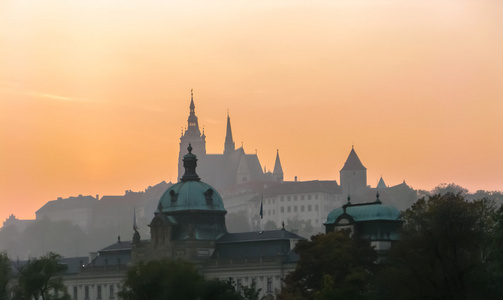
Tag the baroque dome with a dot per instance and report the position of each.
(191, 195)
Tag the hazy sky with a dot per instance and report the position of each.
(93, 94)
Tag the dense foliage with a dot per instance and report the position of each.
(331, 266)
(450, 249)
(40, 278)
(5, 271)
(170, 279)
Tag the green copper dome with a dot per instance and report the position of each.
(369, 212)
(191, 195)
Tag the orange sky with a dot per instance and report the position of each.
(93, 94)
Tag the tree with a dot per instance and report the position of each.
(444, 252)
(5, 272)
(452, 188)
(163, 279)
(222, 290)
(40, 278)
(330, 265)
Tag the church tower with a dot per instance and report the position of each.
(193, 136)
(353, 175)
(229, 145)
(277, 173)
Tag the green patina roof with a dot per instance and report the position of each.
(190, 195)
(370, 212)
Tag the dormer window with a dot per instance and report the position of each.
(174, 196)
(209, 196)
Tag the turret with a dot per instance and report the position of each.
(353, 176)
(277, 173)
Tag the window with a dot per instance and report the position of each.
(288, 198)
(316, 196)
(308, 197)
(75, 293)
(269, 284)
(295, 198)
(99, 292)
(289, 209)
(295, 208)
(112, 292)
(282, 209)
(302, 197)
(302, 208)
(309, 207)
(316, 207)
(282, 198)
(86, 292)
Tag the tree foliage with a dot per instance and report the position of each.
(40, 278)
(445, 252)
(331, 265)
(164, 279)
(170, 279)
(5, 272)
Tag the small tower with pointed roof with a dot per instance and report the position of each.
(353, 175)
(192, 135)
(277, 173)
(229, 145)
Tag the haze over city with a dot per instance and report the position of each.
(93, 96)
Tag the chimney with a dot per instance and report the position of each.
(295, 178)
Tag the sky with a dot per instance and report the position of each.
(94, 94)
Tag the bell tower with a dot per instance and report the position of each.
(192, 135)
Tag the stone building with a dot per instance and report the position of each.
(189, 224)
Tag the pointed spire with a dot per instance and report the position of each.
(229, 145)
(192, 123)
(381, 184)
(192, 106)
(278, 170)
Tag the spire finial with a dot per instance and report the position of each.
(349, 199)
(190, 148)
(191, 93)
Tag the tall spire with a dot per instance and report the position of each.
(192, 123)
(229, 142)
(278, 170)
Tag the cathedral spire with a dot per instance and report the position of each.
(192, 123)
(278, 170)
(229, 142)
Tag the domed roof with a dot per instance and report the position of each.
(191, 195)
(365, 212)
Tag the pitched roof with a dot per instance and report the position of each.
(353, 162)
(381, 184)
